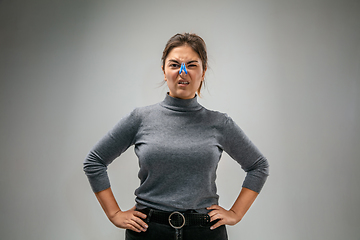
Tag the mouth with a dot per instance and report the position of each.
(181, 82)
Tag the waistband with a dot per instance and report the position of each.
(177, 219)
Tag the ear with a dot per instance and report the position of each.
(162, 68)
(203, 74)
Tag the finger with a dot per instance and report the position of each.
(216, 225)
(131, 227)
(214, 207)
(140, 214)
(215, 217)
(212, 213)
(135, 224)
(141, 223)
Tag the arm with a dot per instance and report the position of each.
(256, 166)
(111, 146)
(237, 211)
(120, 138)
(130, 219)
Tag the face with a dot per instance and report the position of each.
(183, 85)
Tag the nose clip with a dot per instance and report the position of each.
(183, 67)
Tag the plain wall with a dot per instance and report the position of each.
(288, 72)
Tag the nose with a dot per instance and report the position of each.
(183, 68)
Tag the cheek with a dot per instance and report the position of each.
(196, 75)
(172, 75)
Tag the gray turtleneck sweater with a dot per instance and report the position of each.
(179, 144)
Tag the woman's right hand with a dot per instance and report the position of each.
(130, 219)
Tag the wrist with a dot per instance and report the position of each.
(238, 215)
(113, 214)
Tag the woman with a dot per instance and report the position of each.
(179, 144)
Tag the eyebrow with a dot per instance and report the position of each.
(192, 61)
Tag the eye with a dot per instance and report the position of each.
(191, 66)
(174, 65)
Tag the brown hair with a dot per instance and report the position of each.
(192, 40)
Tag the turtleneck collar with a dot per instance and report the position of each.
(181, 105)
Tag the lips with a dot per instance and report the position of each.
(183, 82)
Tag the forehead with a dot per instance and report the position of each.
(183, 53)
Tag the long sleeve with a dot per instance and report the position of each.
(240, 148)
(114, 143)
(179, 144)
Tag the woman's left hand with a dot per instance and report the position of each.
(227, 217)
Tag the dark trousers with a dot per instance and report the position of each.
(158, 231)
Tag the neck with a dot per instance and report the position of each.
(182, 105)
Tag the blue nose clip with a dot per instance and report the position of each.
(183, 67)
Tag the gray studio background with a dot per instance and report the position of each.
(288, 72)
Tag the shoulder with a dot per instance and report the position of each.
(133, 119)
(141, 112)
(217, 117)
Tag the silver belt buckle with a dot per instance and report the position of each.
(182, 216)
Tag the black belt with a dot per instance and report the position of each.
(177, 220)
